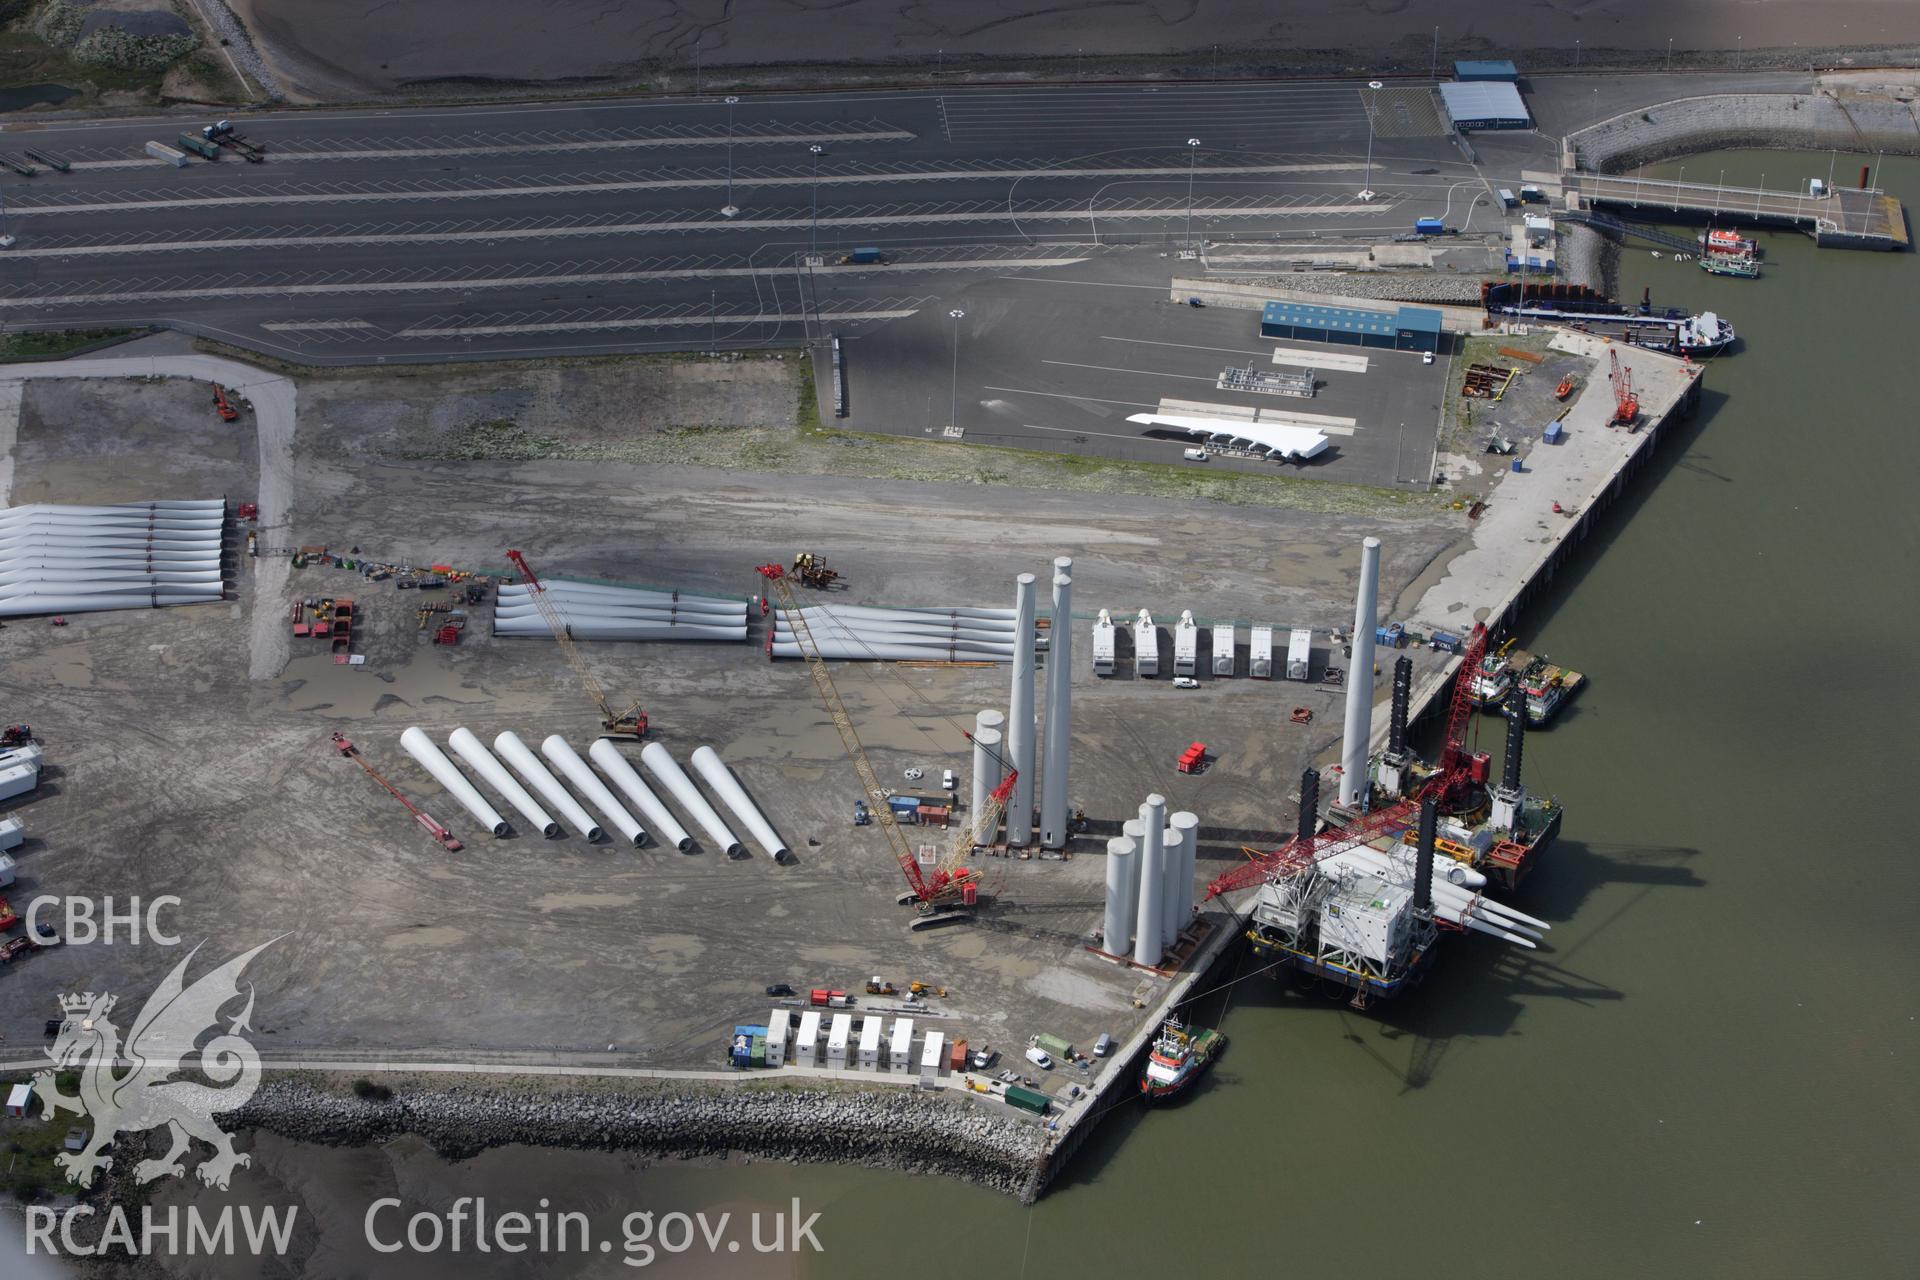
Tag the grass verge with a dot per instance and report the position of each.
(55, 343)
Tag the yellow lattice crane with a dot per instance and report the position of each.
(630, 723)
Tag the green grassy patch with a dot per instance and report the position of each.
(28, 1146)
(55, 343)
(27, 59)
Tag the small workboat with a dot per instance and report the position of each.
(1179, 1058)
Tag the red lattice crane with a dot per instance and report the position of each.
(447, 839)
(1626, 401)
(1453, 776)
(941, 892)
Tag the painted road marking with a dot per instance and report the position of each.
(454, 286)
(664, 184)
(1144, 373)
(1061, 395)
(1185, 346)
(1321, 359)
(608, 144)
(282, 326)
(654, 322)
(704, 224)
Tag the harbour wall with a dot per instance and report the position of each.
(1776, 121)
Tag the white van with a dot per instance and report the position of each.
(1195, 455)
(1040, 1058)
(947, 779)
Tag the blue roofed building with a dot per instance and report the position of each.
(1403, 329)
(1491, 69)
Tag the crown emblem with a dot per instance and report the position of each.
(83, 1003)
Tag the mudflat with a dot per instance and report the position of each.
(330, 48)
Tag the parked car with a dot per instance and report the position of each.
(1185, 682)
(1426, 357)
(983, 1057)
(779, 989)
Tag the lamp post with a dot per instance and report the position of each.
(953, 396)
(1576, 53)
(1433, 68)
(1669, 53)
(1366, 187)
(1193, 154)
(728, 210)
(813, 229)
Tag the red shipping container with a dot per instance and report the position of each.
(957, 1056)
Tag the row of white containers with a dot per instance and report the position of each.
(1186, 648)
(841, 1049)
(594, 611)
(134, 555)
(552, 797)
(854, 632)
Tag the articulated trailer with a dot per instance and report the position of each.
(199, 146)
(52, 162)
(222, 134)
(24, 170)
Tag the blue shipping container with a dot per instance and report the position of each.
(1429, 226)
(1554, 434)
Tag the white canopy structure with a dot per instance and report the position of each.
(134, 555)
(1289, 444)
(595, 611)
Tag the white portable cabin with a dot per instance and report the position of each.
(900, 1055)
(18, 780)
(870, 1043)
(837, 1038)
(19, 1101)
(1146, 646)
(778, 1027)
(806, 1041)
(1186, 644)
(1103, 644)
(932, 1058)
(6, 870)
(1223, 655)
(1299, 653)
(1260, 654)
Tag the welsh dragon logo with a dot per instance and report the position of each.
(148, 1096)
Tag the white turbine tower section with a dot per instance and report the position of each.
(660, 818)
(989, 751)
(1148, 945)
(662, 765)
(434, 761)
(1059, 734)
(528, 766)
(1189, 828)
(728, 788)
(1173, 861)
(1020, 722)
(1359, 726)
(568, 761)
(985, 777)
(1122, 896)
(495, 775)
